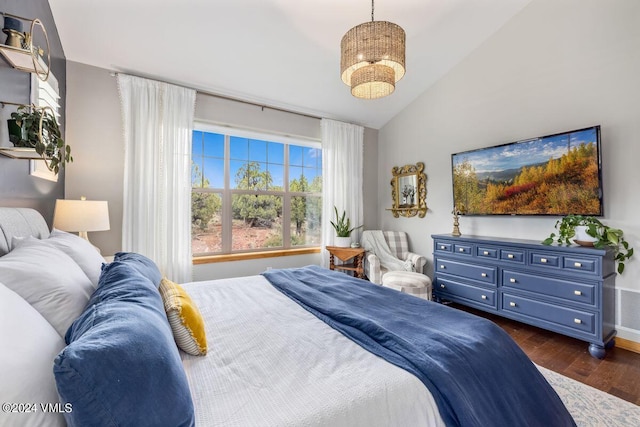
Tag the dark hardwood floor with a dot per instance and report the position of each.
(617, 374)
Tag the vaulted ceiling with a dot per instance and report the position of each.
(283, 53)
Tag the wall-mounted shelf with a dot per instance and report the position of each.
(21, 59)
(21, 54)
(20, 153)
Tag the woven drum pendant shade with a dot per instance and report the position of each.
(373, 81)
(378, 47)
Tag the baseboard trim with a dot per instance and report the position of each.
(628, 344)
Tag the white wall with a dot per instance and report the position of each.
(94, 131)
(556, 66)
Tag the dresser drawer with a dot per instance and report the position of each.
(511, 255)
(544, 314)
(443, 246)
(462, 249)
(485, 252)
(545, 260)
(452, 289)
(480, 273)
(581, 263)
(564, 289)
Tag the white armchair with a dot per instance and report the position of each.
(399, 246)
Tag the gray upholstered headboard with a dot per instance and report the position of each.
(20, 222)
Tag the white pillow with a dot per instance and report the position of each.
(29, 347)
(83, 253)
(49, 280)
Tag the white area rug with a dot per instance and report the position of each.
(591, 407)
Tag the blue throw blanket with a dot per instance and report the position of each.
(476, 373)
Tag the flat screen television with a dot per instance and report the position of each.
(550, 175)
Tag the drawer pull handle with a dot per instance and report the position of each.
(442, 267)
(512, 304)
(442, 286)
(578, 321)
(484, 297)
(443, 247)
(461, 250)
(484, 274)
(512, 280)
(577, 264)
(577, 293)
(510, 256)
(485, 253)
(543, 260)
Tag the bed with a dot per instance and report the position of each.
(282, 352)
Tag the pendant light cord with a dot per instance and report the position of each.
(372, 10)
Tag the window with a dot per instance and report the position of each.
(44, 94)
(253, 192)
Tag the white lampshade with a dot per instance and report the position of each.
(81, 216)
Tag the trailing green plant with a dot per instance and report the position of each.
(605, 236)
(48, 143)
(343, 224)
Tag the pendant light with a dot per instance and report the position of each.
(372, 58)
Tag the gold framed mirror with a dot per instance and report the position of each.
(409, 190)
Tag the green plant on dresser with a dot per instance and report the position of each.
(602, 236)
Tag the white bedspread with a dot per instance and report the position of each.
(271, 363)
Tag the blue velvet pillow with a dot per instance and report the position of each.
(144, 265)
(122, 366)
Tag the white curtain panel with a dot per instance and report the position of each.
(158, 123)
(342, 163)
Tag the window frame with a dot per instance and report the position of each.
(227, 193)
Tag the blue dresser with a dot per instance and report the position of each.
(569, 290)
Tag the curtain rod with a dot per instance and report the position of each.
(230, 98)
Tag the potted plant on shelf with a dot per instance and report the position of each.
(589, 231)
(37, 128)
(343, 229)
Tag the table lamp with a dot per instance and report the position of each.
(81, 215)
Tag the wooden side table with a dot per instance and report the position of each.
(345, 255)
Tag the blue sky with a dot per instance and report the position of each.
(513, 156)
(208, 154)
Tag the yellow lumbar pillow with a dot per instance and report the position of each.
(184, 317)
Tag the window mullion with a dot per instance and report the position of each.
(286, 203)
(227, 211)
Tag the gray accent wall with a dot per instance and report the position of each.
(95, 127)
(17, 187)
(555, 66)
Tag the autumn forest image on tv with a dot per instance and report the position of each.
(552, 175)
